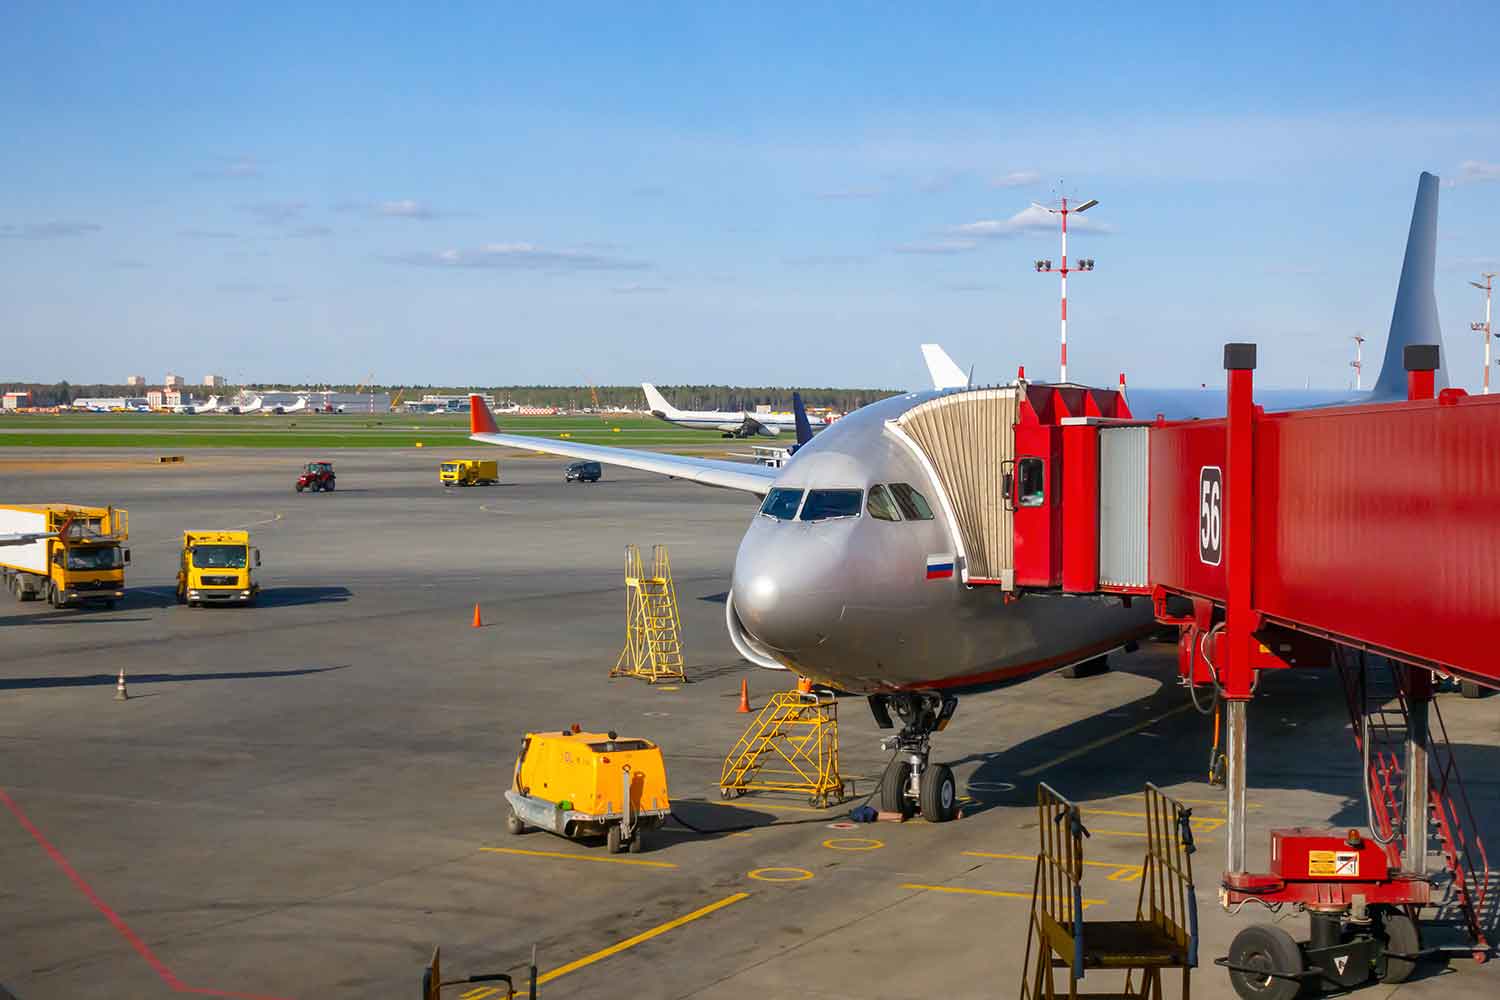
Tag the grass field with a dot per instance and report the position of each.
(303, 430)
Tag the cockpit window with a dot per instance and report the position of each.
(823, 504)
(913, 504)
(880, 505)
(781, 503)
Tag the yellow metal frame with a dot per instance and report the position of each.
(653, 623)
(1163, 934)
(791, 746)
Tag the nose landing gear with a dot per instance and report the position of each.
(912, 783)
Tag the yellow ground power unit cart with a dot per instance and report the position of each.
(578, 784)
(469, 472)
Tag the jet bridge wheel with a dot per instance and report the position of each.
(893, 785)
(1401, 938)
(1262, 946)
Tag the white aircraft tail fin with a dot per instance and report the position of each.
(657, 401)
(945, 373)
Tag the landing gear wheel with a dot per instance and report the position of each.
(514, 825)
(1401, 938)
(893, 785)
(1088, 668)
(1261, 946)
(614, 839)
(939, 793)
(638, 842)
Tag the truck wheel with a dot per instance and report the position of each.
(614, 839)
(1402, 938)
(329, 486)
(514, 825)
(1262, 946)
(109, 605)
(299, 487)
(638, 842)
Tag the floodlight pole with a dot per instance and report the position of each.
(1487, 288)
(1063, 212)
(1358, 364)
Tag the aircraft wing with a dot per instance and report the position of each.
(741, 476)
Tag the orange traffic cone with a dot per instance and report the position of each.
(478, 622)
(744, 696)
(120, 693)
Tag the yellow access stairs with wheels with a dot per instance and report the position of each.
(791, 746)
(653, 623)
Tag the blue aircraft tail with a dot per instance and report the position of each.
(804, 429)
(1414, 320)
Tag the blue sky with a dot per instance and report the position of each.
(737, 193)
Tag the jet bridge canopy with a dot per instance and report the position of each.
(996, 457)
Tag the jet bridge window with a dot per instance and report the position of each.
(823, 504)
(880, 505)
(781, 503)
(1033, 491)
(913, 504)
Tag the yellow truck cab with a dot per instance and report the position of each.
(579, 784)
(469, 472)
(67, 553)
(216, 568)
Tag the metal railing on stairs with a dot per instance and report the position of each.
(653, 622)
(791, 746)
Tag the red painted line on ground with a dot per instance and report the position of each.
(118, 922)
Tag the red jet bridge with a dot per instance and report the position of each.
(1278, 540)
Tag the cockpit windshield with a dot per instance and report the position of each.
(781, 503)
(913, 504)
(219, 556)
(823, 504)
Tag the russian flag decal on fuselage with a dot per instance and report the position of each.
(940, 567)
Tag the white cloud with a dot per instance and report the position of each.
(1016, 178)
(1477, 170)
(1033, 218)
(47, 230)
(522, 257)
(405, 208)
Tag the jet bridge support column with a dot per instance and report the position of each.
(1235, 518)
(1421, 361)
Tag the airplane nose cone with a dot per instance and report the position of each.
(783, 593)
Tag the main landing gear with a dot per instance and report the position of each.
(912, 783)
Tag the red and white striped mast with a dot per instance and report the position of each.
(1484, 328)
(1358, 364)
(1084, 264)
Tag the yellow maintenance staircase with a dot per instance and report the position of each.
(653, 624)
(792, 746)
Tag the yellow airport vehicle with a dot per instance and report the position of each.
(67, 553)
(469, 472)
(579, 784)
(216, 568)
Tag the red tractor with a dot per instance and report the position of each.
(316, 476)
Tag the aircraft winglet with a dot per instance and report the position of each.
(481, 420)
(799, 413)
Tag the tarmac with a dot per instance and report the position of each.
(300, 799)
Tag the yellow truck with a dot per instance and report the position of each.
(215, 568)
(469, 472)
(579, 784)
(67, 553)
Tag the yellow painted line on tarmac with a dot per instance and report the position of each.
(959, 890)
(640, 938)
(1122, 872)
(489, 991)
(1104, 741)
(1206, 824)
(578, 857)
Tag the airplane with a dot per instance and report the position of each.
(738, 424)
(851, 571)
(297, 407)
